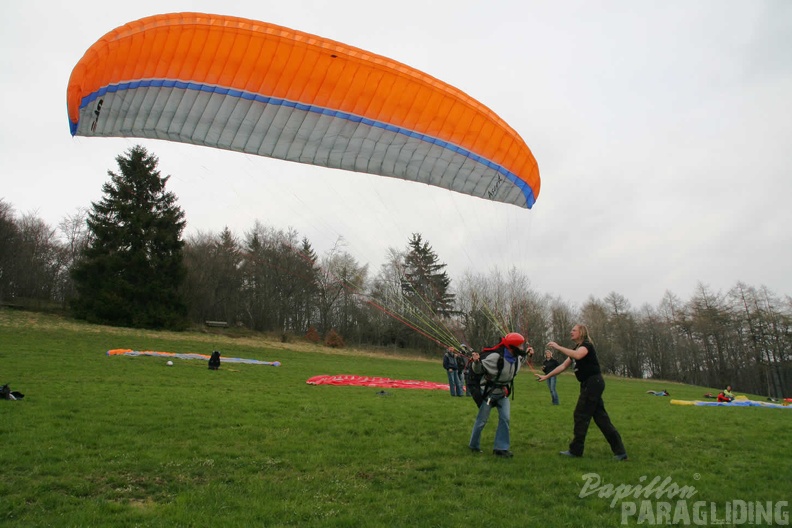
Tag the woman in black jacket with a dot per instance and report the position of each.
(550, 363)
(589, 404)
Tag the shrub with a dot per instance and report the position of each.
(334, 340)
(312, 335)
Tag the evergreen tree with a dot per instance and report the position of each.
(227, 256)
(131, 272)
(308, 269)
(425, 281)
(255, 296)
(9, 247)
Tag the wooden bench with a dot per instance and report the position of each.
(216, 324)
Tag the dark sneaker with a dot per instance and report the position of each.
(502, 453)
(475, 449)
(620, 458)
(569, 454)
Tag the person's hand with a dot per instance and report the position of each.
(553, 345)
(530, 351)
(540, 378)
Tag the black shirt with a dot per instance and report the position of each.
(588, 365)
(549, 365)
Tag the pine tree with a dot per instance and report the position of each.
(308, 269)
(425, 282)
(132, 270)
(9, 247)
(227, 256)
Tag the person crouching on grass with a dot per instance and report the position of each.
(589, 404)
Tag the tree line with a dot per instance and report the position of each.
(124, 261)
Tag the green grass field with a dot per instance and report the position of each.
(128, 441)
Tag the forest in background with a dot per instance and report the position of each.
(742, 336)
(268, 279)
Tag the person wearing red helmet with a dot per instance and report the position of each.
(497, 366)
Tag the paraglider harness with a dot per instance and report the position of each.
(473, 380)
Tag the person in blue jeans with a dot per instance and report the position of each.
(452, 369)
(499, 365)
(461, 367)
(550, 363)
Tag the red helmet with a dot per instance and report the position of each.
(513, 339)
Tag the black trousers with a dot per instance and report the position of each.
(590, 405)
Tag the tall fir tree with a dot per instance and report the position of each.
(425, 281)
(308, 269)
(132, 270)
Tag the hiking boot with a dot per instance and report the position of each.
(620, 458)
(569, 454)
(503, 453)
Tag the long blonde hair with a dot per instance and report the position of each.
(584, 334)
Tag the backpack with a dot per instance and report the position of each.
(7, 394)
(461, 363)
(473, 384)
(214, 361)
(473, 380)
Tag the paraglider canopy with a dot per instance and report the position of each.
(258, 88)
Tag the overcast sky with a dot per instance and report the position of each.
(662, 130)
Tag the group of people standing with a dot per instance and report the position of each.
(455, 366)
(499, 365)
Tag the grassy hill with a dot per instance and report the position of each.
(128, 441)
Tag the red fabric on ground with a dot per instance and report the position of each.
(368, 381)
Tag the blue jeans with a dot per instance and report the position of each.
(502, 441)
(454, 383)
(551, 384)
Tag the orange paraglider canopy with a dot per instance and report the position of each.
(263, 89)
